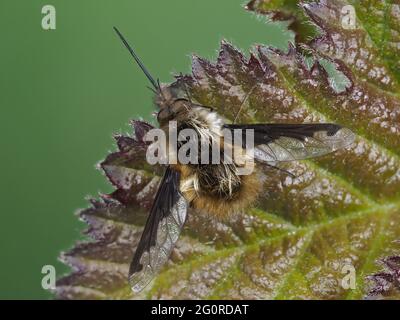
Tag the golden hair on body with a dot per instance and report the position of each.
(216, 189)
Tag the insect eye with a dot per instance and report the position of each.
(165, 113)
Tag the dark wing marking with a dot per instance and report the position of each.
(287, 142)
(162, 229)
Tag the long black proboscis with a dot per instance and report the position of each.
(138, 61)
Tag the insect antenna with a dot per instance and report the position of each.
(156, 84)
(152, 89)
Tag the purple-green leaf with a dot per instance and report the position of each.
(340, 211)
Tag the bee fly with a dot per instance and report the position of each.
(215, 188)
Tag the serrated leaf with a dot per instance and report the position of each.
(370, 47)
(288, 11)
(341, 210)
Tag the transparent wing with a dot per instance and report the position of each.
(163, 226)
(287, 142)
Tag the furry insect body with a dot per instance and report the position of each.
(217, 188)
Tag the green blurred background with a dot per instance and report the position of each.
(65, 91)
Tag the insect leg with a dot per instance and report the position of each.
(186, 89)
(282, 170)
(243, 102)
